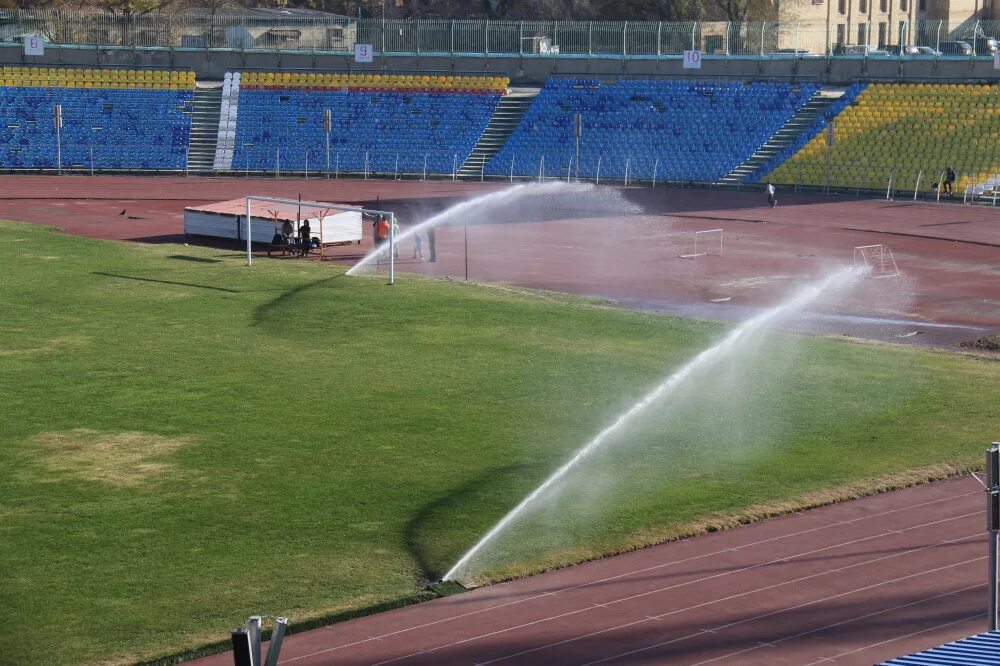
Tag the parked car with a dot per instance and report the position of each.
(986, 45)
(955, 48)
(862, 49)
(904, 49)
(927, 51)
(790, 52)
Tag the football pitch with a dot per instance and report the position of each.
(189, 442)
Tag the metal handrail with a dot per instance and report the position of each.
(319, 33)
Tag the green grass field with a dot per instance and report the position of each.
(188, 442)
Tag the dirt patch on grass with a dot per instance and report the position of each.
(989, 343)
(116, 459)
(54, 344)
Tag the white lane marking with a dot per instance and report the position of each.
(682, 638)
(897, 638)
(692, 582)
(848, 620)
(599, 581)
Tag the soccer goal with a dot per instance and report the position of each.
(701, 243)
(877, 260)
(308, 228)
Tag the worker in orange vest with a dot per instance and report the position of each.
(383, 229)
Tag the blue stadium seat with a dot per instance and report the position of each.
(679, 130)
(378, 127)
(109, 128)
(818, 126)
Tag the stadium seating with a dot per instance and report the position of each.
(112, 118)
(377, 82)
(680, 130)
(899, 130)
(813, 130)
(380, 123)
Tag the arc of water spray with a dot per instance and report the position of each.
(476, 204)
(800, 299)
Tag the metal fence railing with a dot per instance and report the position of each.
(603, 39)
(974, 183)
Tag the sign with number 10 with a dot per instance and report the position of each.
(692, 60)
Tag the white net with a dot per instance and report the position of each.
(877, 260)
(701, 243)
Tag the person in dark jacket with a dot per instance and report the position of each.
(304, 238)
(949, 180)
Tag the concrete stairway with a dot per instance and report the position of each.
(797, 124)
(505, 120)
(204, 127)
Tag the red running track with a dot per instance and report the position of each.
(852, 583)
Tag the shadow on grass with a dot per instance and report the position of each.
(174, 282)
(294, 627)
(419, 530)
(264, 313)
(199, 260)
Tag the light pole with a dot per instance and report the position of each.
(327, 123)
(829, 151)
(57, 120)
(577, 130)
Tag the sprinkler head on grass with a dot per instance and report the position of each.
(445, 588)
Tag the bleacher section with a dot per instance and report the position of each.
(899, 130)
(681, 130)
(809, 134)
(133, 119)
(378, 82)
(112, 118)
(380, 123)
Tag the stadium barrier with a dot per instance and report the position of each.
(316, 32)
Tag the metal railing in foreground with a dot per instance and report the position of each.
(543, 39)
(898, 181)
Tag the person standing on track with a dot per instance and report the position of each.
(382, 235)
(771, 200)
(382, 230)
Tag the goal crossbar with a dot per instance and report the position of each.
(324, 205)
(702, 243)
(877, 260)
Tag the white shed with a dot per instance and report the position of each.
(227, 219)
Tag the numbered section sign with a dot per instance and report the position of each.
(692, 60)
(34, 45)
(362, 53)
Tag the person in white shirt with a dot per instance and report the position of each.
(770, 195)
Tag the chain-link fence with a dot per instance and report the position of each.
(634, 39)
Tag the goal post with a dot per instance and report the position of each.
(701, 243)
(312, 210)
(876, 260)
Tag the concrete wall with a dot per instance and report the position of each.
(525, 70)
